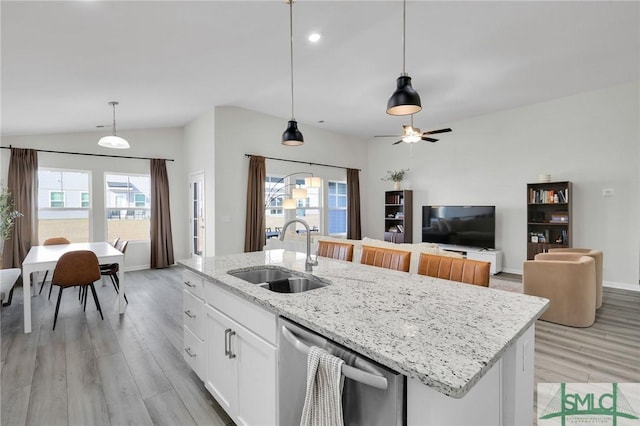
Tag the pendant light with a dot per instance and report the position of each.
(405, 100)
(113, 141)
(292, 136)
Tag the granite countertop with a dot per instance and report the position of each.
(443, 333)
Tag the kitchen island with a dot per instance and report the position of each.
(444, 336)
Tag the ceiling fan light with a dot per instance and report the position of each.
(411, 138)
(405, 100)
(292, 136)
(115, 142)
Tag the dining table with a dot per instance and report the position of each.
(44, 258)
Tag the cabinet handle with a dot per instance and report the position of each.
(189, 314)
(188, 351)
(188, 284)
(227, 340)
(231, 354)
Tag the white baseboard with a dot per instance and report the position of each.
(137, 267)
(512, 271)
(623, 286)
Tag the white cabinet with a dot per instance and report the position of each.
(492, 256)
(489, 255)
(193, 322)
(503, 396)
(240, 365)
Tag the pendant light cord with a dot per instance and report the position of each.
(291, 52)
(113, 104)
(404, 35)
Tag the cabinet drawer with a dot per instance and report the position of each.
(193, 283)
(193, 352)
(253, 317)
(193, 314)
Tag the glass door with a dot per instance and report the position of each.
(197, 214)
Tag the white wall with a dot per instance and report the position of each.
(156, 143)
(199, 137)
(591, 139)
(238, 132)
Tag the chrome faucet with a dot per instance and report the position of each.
(308, 264)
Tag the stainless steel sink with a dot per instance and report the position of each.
(294, 285)
(279, 281)
(258, 276)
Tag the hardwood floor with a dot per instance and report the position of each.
(608, 351)
(123, 370)
(129, 369)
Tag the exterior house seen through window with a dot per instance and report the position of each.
(337, 214)
(63, 204)
(128, 206)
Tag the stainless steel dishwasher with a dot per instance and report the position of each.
(372, 394)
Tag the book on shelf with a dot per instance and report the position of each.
(548, 196)
(394, 199)
(400, 228)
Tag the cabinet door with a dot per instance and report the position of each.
(257, 363)
(221, 373)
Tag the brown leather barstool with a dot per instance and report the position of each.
(335, 250)
(54, 241)
(386, 258)
(76, 268)
(455, 269)
(111, 270)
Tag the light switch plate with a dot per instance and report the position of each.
(608, 192)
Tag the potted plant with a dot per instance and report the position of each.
(396, 177)
(7, 217)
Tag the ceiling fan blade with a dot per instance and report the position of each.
(430, 139)
(433, 132)
(396, 143)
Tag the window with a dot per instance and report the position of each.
(337, 214)
(84, 199)
(309, 209)
(63, 204)
(273, 198)
(56, 199)
(128, 206)
(140, 200)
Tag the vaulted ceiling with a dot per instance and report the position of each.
(166, 62)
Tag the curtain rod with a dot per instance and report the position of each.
(301, 162)
(92, 155)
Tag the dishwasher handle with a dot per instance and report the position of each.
(361, 376)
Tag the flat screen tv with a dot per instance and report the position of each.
(470, 226)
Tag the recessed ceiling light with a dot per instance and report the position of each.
(314, 37)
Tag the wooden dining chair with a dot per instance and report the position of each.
(111, 270)
(54, 241)
(76, 268)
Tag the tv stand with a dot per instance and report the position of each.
(474, 253)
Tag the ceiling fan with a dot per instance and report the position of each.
(411, 134)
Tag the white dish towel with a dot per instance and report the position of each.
(323, 401)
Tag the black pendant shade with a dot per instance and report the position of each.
(405, 100)
(292, 136)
